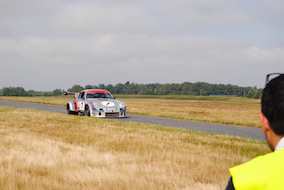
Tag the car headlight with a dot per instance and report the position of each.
(122, 105)
(96, 105)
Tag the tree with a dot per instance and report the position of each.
(76, 88)
(102, 86)
(110, 88)
(88, 87)
(186, 88)
(91, 87)
(254, 93)
(57, 92)
(14, 91)
(250, 94)
(119, 87)
(239, 94)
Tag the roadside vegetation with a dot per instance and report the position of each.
(226, 110)
(41, 150)
(128, 88)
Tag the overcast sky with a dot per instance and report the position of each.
(51, 44)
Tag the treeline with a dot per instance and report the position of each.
(20, 91)
(186, 88)
(14, 91)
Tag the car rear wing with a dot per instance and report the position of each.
(76, 94)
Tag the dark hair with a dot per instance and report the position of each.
(272, 104)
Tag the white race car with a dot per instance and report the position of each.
(96, 103)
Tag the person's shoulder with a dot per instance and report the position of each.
(260, 171)
(261, 163)
(272, 156)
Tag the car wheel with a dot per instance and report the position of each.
(81, 113)
(87, 111)
(68, 109)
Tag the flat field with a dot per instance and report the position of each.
(41, 150)
(226, 110)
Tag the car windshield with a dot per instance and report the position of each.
(99, 95)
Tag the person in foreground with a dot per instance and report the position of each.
(267, 171)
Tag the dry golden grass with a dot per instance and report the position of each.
(41, 150)
(227, 110)
(54, 100)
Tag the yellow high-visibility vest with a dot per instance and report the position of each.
(263, 172)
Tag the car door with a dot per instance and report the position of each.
(81, 101)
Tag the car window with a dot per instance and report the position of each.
(92, 95)
(82, 95)
(99, 95)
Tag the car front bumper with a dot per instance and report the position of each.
(102, 113)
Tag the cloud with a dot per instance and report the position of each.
(96, 18)
(274, 8)
(200, 13)
(142, 59)
(55, 44)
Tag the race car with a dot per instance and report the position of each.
(96, 103)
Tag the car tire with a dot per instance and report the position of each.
(87, 111)
(81, 113)
(69, 111)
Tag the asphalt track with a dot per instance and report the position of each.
(244, 132)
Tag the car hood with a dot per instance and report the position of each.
(103, 102)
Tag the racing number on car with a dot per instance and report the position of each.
(81, 105)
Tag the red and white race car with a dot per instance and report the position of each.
(96, 103)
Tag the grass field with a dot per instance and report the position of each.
(41, 150)
(227, 110)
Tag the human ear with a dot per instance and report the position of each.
(264, 123)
